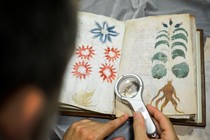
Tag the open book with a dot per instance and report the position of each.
(163, 50)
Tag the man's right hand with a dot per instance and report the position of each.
(164, 126)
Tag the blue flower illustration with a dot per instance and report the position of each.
(104, 32)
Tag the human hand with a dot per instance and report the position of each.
(163, 124)
(92, 130)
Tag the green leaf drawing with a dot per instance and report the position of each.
(165, 25)
(180, 29)
(164, 31)
(176, 45)
(179, 44)
(177, 53)
(159, 71)
(181, 70)
(177, 25)
(161, 42)
(179, 36)
(162, 35)
(160, 56)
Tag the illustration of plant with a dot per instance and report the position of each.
(104, 32)
(171, 43)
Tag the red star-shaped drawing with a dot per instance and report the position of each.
(107, 72)
(112, 54)
(85, 52)
(81, 70)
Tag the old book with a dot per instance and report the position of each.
(165, 51)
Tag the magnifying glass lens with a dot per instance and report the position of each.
(129, 87)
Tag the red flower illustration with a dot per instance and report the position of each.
(107, 72)
(112, 54)
(85, 52)
(81, 70)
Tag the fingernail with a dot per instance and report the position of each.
(136, 115)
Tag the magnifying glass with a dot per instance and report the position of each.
(129, 89)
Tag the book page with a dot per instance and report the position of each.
(91, 72)
(199, 80)
(159, 50)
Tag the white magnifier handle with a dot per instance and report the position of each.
(150, 126)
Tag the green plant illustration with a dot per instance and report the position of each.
(171, 44)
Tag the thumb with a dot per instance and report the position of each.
(139, 126)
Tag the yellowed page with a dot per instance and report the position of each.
(207, 49)
(92, 71)
(143, 39)
(199, 80)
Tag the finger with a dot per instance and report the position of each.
(70, 131)
(111, 126)
(164, 122)
(118, 138)
(79, 127)
(159, 131)
(139, 126)
(84, 121)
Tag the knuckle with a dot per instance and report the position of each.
(78, 129)
(91, 137)
(138, 122)
(81, 130)
(75, 124)
(142, 120)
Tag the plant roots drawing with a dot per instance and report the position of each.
(171, 43)
(104, 32)
(168, 92)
